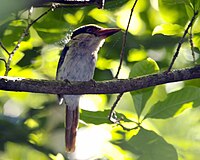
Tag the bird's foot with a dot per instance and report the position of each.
(67, 81)
(93, 82)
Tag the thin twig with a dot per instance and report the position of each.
(128, 129)
(24, 34)
(124, 40)
(182, 40)
(30, 11)
(2, 59)
(4, 48)
(192, 44)
(112, 116)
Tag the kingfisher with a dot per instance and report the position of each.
(77, 63)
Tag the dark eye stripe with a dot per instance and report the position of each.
(85, 29)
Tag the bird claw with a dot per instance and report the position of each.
(67, 81)
(93, 82)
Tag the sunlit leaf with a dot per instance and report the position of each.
(48, 59)
(103, 63)
(136, 55)
(173, 11)
(106, 16)
(145, 67)
(195, 4)
(31, 123)
(59, 156)
(174, 101)
(93, 102)
(99, 117)
(159, 94)
(13, 33)
(174, 2)
(74, 19)
(147, 145)
(140, 97)
(18, 56)
(52, 29)
(16, 152)
(168, 29)
(189, 10)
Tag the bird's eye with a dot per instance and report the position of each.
(90, 30)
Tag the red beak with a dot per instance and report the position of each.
(106, 32)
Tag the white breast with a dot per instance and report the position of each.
(79, 63)
(76, 67)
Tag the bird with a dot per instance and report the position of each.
(77, 63)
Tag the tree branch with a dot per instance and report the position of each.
(71, 3)
(91, 87)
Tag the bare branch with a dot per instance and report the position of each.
(182, 40)
(192, 44)
(105, 87)
(124, 39)
(71, 3)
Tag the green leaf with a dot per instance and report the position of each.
(172, 2)
(18, 132)
(147, 145)
(13, 33)
(51, 28)
(195, 4)
(99, 117)
(197, 50)
(113, 4)
(173, 11)
(140, 97)
(174, 101)
(189, 10)
(145, 67)
(168, 29)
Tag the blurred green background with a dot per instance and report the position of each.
(32, 125)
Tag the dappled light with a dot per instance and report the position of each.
(158, 45)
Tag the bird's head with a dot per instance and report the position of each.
(91, 35)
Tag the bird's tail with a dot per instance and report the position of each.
(72, 117)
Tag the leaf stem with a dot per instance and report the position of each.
(182, 40)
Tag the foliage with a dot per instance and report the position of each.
(164, 119)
